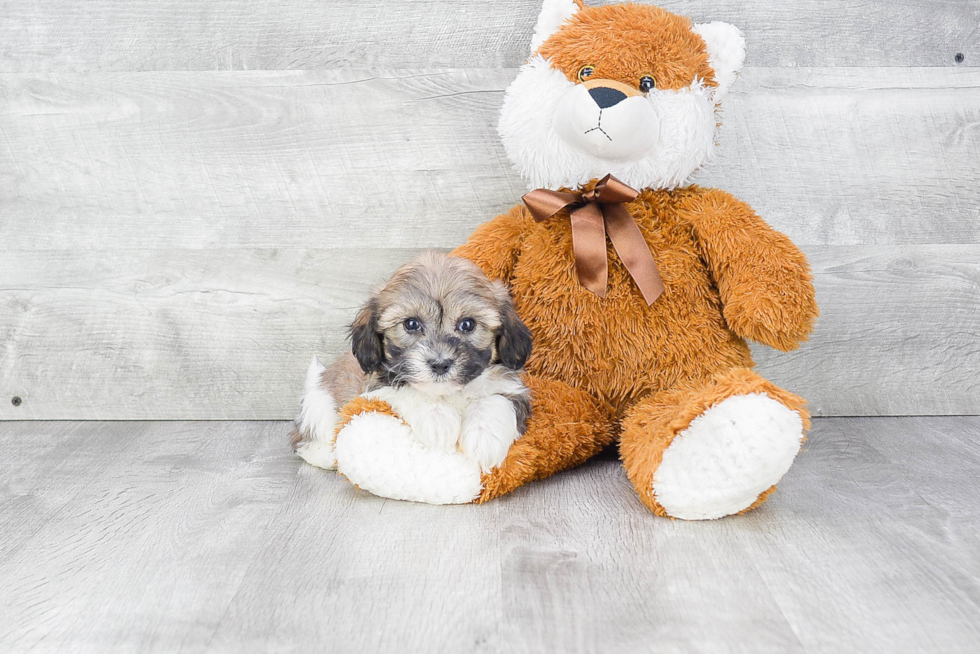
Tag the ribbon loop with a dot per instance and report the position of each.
(591, 214)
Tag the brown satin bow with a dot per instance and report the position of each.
(593, 213)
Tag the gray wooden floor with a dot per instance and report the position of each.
(210, 536)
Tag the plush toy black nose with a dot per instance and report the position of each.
(440, 366)
(606, 97)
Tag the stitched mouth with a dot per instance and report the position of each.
(599, 127)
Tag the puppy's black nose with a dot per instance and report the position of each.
(606, 97)
(440, 366)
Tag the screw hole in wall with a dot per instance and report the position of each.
(16, 401)
(959, 58)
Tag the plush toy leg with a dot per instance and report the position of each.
(567, 427)
(377, 452)
(704, 452)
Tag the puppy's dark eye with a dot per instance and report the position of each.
(647, 83)
(585, 72)
(412, 325)
(466, 325)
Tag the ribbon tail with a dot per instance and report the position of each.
(589, 245)
(633, 251)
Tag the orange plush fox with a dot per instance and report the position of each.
(639, 289)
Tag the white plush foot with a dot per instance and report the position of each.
(727, 457)
(379, 454)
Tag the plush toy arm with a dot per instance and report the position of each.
(764, 279)
(494, 245)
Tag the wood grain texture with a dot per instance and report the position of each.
(164, 334)
(364, 159)
(175, 244)
(160, 535)
(309, 34)
(227, 334)
(212, 537)
(898, 333)
(890, 485)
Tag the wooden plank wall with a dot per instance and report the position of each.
(182, 221)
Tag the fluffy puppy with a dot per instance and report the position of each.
(443, 346)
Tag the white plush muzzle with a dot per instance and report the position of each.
(622, 132)
(657, 140)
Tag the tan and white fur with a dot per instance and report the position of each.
(442, 345)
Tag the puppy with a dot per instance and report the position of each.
(444, 347)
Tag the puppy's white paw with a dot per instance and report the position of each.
(489, 429)
(727, 457)
(379, 453)
(435, 424)
(319, 454)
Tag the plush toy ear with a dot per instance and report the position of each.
(553, 14)
(726, 52)
(365, 339)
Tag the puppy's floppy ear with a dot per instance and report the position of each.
(514, 338)
(365, 338)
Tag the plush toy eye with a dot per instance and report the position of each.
(466, 325)
(585, 72)
(412, 325)
(647, 83)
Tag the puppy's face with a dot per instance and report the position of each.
(437, 324)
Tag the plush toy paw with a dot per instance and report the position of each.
(727, 457)
(779, 319)
(380, 454)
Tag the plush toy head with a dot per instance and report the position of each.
(626, 89)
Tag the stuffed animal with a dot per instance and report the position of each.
(639, 289)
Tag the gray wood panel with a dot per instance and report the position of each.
(212, 537)
(165, 334)
(898, 333)
(227, 334)
(367, 159)
(310, 34)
